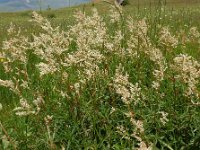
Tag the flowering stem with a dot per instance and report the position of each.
(7, 136)
(26, 122)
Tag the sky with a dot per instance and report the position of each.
(18, 5)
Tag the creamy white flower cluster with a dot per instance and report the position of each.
(157, 57)
(25, 109)
(115, 13)
(194, 33)
(189, 72)
(140, 43)
(89, 34)
(166, 39)
(139, 40)
(129, 92)
(15, 48)
(49, 46)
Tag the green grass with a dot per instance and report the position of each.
(85, 119)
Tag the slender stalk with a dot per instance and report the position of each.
(40, 4)
(7, 136)
(26, 121)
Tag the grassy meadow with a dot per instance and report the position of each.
(101, 76)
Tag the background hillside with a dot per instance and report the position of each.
(18, 5)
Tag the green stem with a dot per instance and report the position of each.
(26, 122)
